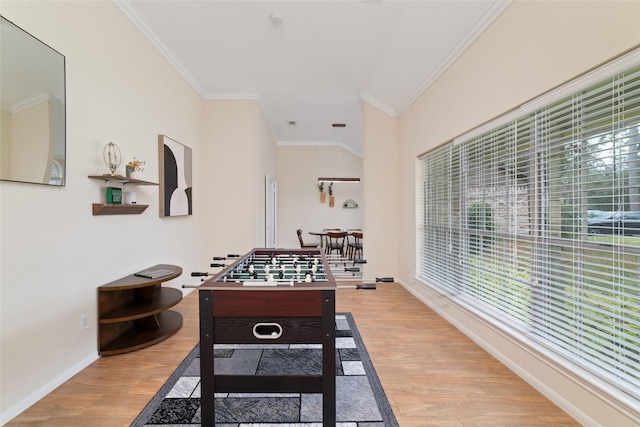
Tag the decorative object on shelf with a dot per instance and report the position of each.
(349, 204)
(112, 158)
(332, 199)
(130, 197)
(114, 196)
(175, 177)
(323, 195)
(134, 166)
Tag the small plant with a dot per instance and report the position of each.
(331, 189)
(321, 187)
(136, 165)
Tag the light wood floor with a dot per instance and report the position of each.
(433, 375)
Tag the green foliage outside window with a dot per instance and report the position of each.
(480, 217)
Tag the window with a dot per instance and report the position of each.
(536, 223)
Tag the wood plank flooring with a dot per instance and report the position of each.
(433, 375)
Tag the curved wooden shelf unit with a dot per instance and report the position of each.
(133, 312)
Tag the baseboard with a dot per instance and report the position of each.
(620, 405)
(47, 388)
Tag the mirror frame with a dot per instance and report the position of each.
(47, 87)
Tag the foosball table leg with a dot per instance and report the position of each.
(207, 399)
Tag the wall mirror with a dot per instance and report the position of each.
(32, 101)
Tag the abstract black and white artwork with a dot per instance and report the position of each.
(176, 198)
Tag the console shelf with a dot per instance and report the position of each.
(133, 312)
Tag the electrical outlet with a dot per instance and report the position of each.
(84, 322)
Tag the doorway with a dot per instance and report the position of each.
(271, 212)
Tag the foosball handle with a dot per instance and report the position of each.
(385, 279)
(366, 286)
(215, 264)
(233, 256)
(219, 258)
(359, 261)
(198, 274)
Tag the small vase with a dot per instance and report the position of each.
(332, 200)
(323, 197)
(133, 175)
(128, 171)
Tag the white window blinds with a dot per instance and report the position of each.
(537, 224)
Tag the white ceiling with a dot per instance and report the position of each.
(320, 62)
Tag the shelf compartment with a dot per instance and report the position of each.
(141, 333)
(163, 298)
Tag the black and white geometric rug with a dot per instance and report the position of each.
(360, 399)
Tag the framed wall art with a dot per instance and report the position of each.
(176, 164)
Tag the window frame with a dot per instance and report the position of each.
(451, 252)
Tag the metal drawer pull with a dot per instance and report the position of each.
(267, 331)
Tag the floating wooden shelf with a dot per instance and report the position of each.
(102, 209)
(122, 179)
(119, 209)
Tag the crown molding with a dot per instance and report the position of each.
(130, 12)
(487, 18)
(28, 102)
(380, 105)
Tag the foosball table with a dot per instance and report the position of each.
(269, 296)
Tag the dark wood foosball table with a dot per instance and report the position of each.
(269, 296)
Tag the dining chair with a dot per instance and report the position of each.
(335, 242)
(354, 245)
(304, 245)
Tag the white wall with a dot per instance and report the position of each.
(239, 152)
(382, 211)
(54, 253)
(299, 168)
(532, 48)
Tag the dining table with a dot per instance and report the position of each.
(323, 234)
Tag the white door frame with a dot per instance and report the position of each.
(271, 213)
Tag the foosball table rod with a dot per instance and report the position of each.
(213, 265)
(362, 286)
(377, 280)
(222, 258)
